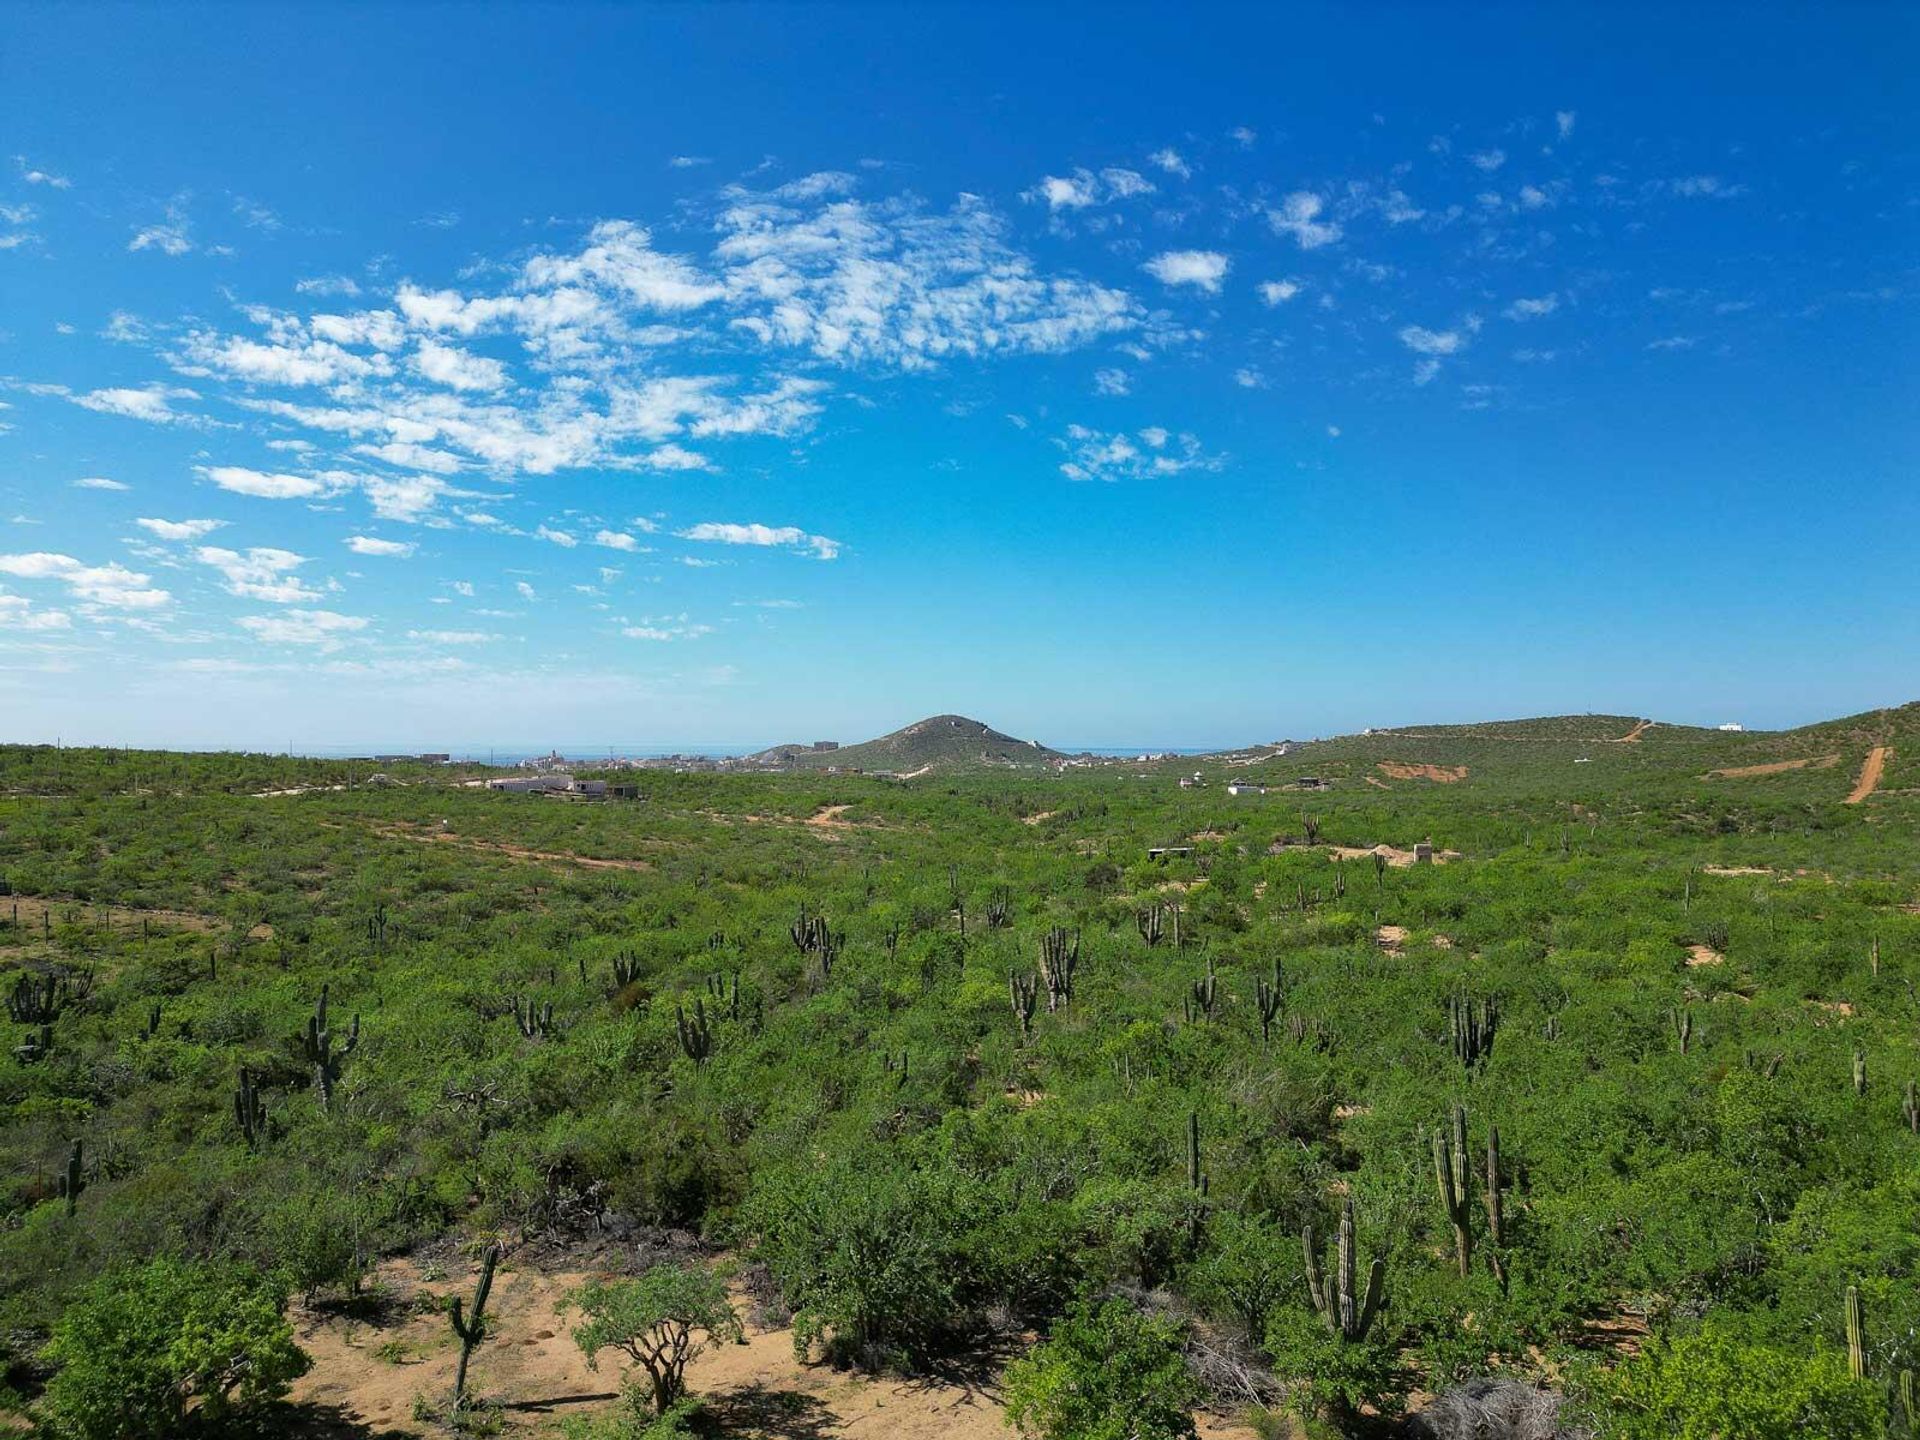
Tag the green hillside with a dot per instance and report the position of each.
(940, 742)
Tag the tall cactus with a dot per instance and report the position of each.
(1909, 1406)
(320, 1052)
(1022, 992)
(1471, 1025)
(1348, 1313)
(1197, 1180)
(999, 911)
(472, 1328)
(1682, 1018)
(1203, 994)
(72, 1181)
(1151, 923)
(1270, 999)
(1910, 1107)
(1496, 1213)
(696, 1035)
(1859, 1072)
(250, 1110)
(531, 1021)
(626, 970)
(1059, 964)
(1856, 1334)
(1454, 1175)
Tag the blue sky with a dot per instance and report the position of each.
(448, 377)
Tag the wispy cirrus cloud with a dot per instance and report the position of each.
(786, 537)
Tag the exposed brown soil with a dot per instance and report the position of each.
(370, 1373)
(1775, 767)
(1632, 737)
(1397, 858)
(1735, 870)
(1040, 819)
(1704, 955)
(1441, 774)
(32, 907)
(1378, 783)
(1390, 937)
(1870, 773)
(511, 852)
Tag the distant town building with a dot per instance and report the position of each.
(822, 745)
(1168, 852)
(1734, 726)
(1195, 781)
(532, 784)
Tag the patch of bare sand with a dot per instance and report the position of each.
(1040, 819)
(1397, 858)
(368, 1374)
(1704, 955)
(1632, 737)
(511, 852)
(1735, 870)
(1390, 937)
(1775, 767)
(1871, 770)
(1440, 774)
(30, 909)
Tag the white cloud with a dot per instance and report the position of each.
(462, 587)
(1488, 160)
(1075, 192)
(458, 369)
(1202, 268)
(1673, 342)
(616, 540)
(556, 537)
(688, 162)
(1694, 187)
(526, 590)
(337, 285)
(1111, 382)
(19, 613)
(786, 536)
(1563, 119)
(1248, 378)
(323, 629)
(1125, 184)
(1278, 292)
(1423, 341)
(1148, 453)
(1299, 216)
(40, 177)
(152, 403)
(1534, 309)
(99, 482)
(1169, 160)
(370, 545)
(179, 529)
(111, 586)
(452, 637)
(268, 486)
(665, 627)
(170, 237)
(261, 573)
(1242, 137)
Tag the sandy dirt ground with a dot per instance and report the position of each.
(1777, 767)
(1870, 773)
(511, 852)
(1632, 737)
(125, 919)
(1698, 955)
(366, 1375)
(1440, 774)
(1400, 859)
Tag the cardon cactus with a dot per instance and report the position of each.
(320, 1052)
(1022, 992)
(1348, 1312)
(471, 1328)
(72, 1180)
(1856, 1334)
(250, 1110)
(1059, 964)
(696, 1035)
(1454, 1175)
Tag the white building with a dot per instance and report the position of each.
(1733, 726)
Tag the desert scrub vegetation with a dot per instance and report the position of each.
(1619, 1090)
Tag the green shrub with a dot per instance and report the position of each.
(142, 1349)
(1107, 1372)
(653, 1321)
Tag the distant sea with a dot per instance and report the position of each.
(586, 754)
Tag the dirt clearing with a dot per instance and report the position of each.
(1870, 773)
(1775, 767)
(1439, 774)
(369, 1372)
(30, 909)
(1632, 737)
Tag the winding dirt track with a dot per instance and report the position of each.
(1632, 737)
(1870, 773)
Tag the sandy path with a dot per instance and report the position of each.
(1632, 737)
(1870, 773)
(369, 1373)
(511, 852)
